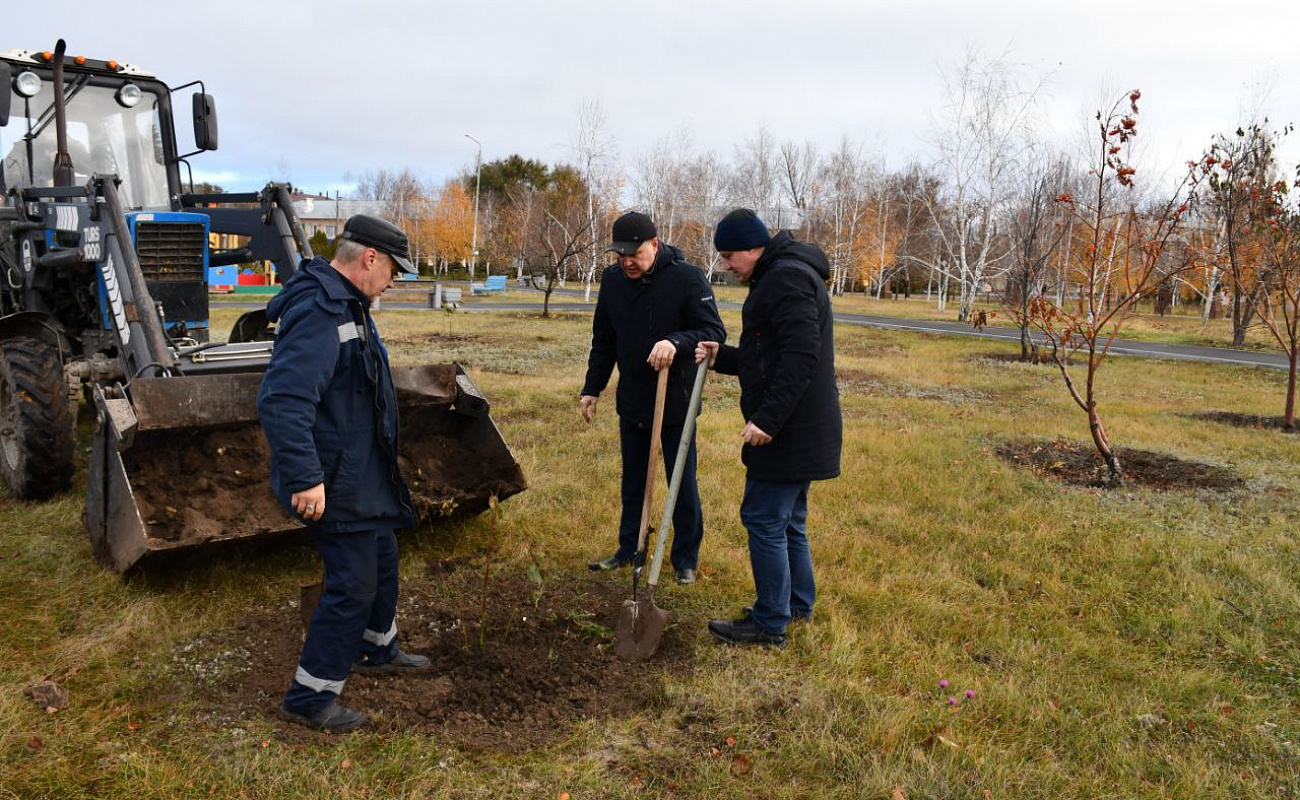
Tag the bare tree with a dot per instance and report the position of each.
(703, 194)
(984, 129)
(755, 175)
(1124, 257)
(799, 173)
(596, 158)
(565, 234)
(658, 182)
(1036, 228)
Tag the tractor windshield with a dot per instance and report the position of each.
(104, 137)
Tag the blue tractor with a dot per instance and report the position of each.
(103, 295)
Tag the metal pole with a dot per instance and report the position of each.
(478, 175)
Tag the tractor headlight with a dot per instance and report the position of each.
(27, 84)
(129, 95)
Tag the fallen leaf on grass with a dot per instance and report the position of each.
(1055, 706)
(741, 765)
(898, 794)
(636, 784)
(346, 763)
(730, 741)
(563, 796)
(947, 741)
(49, 695)
(35, 744)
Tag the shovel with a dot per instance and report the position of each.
(640, 622)
(648, 499)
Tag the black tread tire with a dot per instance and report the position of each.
(36, 457)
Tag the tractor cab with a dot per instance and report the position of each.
(118, 123)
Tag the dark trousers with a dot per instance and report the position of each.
(776, 516)
(688, 518)
(356, 617)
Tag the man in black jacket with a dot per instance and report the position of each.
(654, 308)
(791, 406)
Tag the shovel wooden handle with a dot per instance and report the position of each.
(656, 452)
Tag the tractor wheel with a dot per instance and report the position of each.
(37, 419)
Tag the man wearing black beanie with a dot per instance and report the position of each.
(791, 405)
(654, 307)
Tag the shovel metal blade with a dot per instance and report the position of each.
(640, 628)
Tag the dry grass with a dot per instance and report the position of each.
(1130, 644)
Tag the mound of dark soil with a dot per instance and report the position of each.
(1247, 420)
(512, 670)
(1078, 464)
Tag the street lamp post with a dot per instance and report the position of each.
(478, 175)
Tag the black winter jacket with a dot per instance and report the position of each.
(672, 301)
(786, 364)
(328, 406)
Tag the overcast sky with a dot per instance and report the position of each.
(315, 92)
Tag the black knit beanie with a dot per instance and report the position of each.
(740, 230)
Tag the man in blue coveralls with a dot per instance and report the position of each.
(329, 411)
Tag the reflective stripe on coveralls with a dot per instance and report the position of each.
(318, 684)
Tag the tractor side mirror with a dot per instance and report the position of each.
(205, 121)
(6, 92)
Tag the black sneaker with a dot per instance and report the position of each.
(795, 619)
(402, 662)
(333, 718)
(607, 564)
(744, 631)
(685, 577)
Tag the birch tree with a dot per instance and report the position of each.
(596, 155)
(984, 127)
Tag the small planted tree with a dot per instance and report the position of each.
(1277, 302)
(1124, 254)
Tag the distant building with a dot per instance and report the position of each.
(321, 214)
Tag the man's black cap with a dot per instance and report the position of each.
(630, 230)
(382, 235)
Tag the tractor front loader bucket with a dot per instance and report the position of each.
(180, 463)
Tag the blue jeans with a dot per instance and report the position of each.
(356, 616)
(688, 518)
(776, 516)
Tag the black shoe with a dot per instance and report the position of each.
(333, 718)
(613, 562)
(402, 662)
(685, 576)
(744, 631)
(795, 619)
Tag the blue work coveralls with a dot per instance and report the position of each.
(329, 412)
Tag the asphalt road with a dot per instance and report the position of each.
(1127, 347)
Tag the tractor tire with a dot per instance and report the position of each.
(37, 419)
